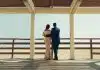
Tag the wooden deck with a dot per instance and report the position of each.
(40, 64)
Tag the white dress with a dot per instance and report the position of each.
(47, 41)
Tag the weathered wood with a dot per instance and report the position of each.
(42, 48)
(79, 41)
(91, 49)
(21, 53)
(96, 53)
(12, 49)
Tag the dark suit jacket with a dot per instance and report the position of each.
(55, 36)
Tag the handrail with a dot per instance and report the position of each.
(13, 43)
(69, 38)
(41, 38)
(14, 38)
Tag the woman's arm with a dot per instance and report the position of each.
(48, 34)
(43, 34)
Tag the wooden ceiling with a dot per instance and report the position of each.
(11, 3)
(90, 3)
(48, 3)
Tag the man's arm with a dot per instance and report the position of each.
(49, 35)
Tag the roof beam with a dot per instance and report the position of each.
(24, 10)
(30, 5)
(88, 10)
(75, 4)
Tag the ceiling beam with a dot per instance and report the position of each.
(88, 10)
(24, 10)
(75, 4)
(30, 5)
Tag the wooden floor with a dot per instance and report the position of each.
(40, 64)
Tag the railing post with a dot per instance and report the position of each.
(12, 54)
(91, 49)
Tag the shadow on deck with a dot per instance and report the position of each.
(40, 64)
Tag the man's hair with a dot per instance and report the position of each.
(54, 24)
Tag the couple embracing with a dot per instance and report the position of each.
(52, 40)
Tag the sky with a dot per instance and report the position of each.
(18, 25)
(14, 25)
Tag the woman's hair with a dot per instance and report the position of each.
(47, 26)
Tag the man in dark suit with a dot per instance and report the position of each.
(55, 36)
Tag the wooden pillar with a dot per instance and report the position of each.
(32, 36)
(72, 36)
(74, 6)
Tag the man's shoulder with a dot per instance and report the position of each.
(55, 29)
(58, 29)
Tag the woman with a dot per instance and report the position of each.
(47, 40)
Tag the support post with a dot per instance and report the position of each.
(12, 56)
(74, 6)
(91, 49)
(32, 36)
(72, 36)
(30, 5)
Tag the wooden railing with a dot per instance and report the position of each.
(64, 41)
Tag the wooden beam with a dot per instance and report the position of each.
(24, 10)
(88, 10)
(30, 5)
(13, 10)
(75, 4)
(72, 37)
(53, 10)
(32, 43)
(72, 5)
(27, 5)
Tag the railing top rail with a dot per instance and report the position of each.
(14, 38)
(42, 38)
(69, 38)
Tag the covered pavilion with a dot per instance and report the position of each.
(54, 7)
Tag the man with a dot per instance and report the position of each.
(55, 40)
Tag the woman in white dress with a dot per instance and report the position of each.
(47, 40)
